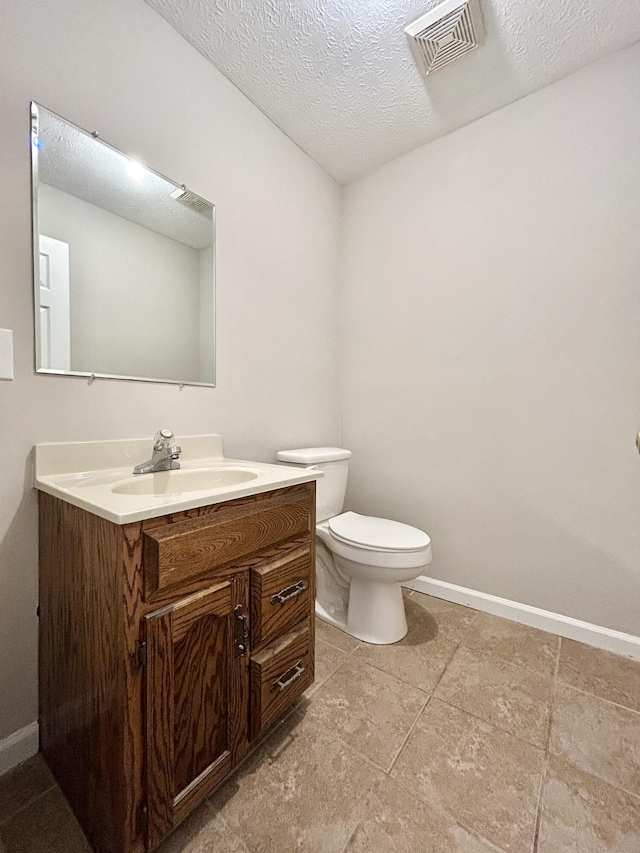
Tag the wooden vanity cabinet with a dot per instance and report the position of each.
(167, 647)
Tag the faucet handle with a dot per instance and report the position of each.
(162, 439)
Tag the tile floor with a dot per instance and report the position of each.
(473, 734)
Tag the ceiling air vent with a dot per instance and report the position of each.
(191, 200)
(450, 30)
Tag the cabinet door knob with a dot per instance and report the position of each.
(638, 440)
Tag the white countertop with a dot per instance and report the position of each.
(98, 476)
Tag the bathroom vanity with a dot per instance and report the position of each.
(173, 632)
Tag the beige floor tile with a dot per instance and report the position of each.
(435, 629)
(399, 822)
(303, 790)
(23, 784)
(513, 642)
(335, 637)
(582, 814)
(448, 619)
(368, 709)
(606, 675)
(328, 659)
(203, 832)
(515, 699)
(598, 737)
(486, 778)
(45, 826)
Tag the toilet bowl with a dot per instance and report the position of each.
(361, 561)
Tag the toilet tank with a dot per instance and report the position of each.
(330, 489)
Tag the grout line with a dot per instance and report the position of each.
(256, 748)
(440, 809)
(364, 662)
(543, 782)
(600, 698)
(498, 725)
(29, 803)
(360, 755)
(332, 734)
(447, 664)
(408, 735)
(372, 794)
(493, 725)
(318, 684)
(428, 690)
(545, 766)
(217, 814)
(353, 835)
(323, 684)
(432, 693)
(511, 661)
(510, 622)
(335, 648)
(333, 645)
(558, 681)
(553, 700)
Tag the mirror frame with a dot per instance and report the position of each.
(35, 240)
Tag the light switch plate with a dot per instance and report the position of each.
(6, 354)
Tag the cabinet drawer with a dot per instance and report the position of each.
(280, 590)
(280, 673)
(185, 554)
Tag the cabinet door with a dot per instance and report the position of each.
(196, 699)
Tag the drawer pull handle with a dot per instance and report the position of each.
(289, 592)
(288, 677)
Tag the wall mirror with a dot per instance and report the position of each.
(123, 263)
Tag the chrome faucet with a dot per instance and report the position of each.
(165, 454)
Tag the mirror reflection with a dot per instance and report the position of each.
(123, 260)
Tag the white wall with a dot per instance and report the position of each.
(116, 66)
(134, 293)
(490, 347)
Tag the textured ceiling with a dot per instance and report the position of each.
(76, 163)
(337, 75)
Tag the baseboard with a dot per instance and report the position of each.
(565, 626)
(18, 747)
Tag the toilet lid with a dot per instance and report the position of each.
(378, 534)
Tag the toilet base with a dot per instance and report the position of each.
(375, 613)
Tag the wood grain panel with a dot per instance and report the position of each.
(174, 554)
(160, 726)
(81, 687)
(214, 602)
(95, 698)
(196, 700)
(170, 595)
(288, 573)
(201, 662)
(275, 661)
(133, 723)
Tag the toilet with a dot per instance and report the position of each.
(361, 561)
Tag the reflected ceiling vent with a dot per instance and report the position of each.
(189, 199)
(450, 30)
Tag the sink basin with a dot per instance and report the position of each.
(97, 476)
(178, 482)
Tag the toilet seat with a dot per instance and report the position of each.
(377, 534)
